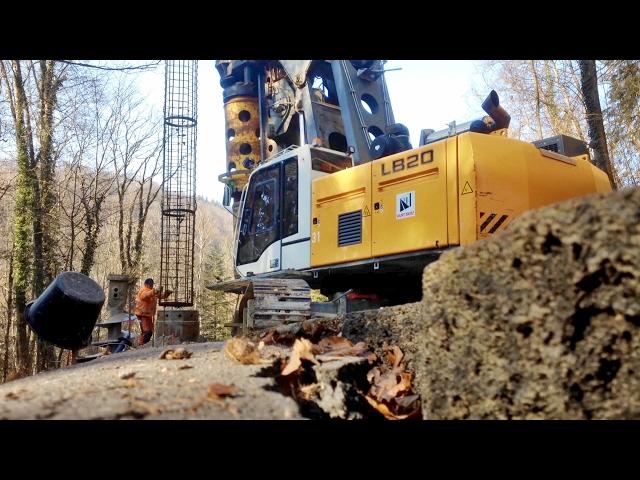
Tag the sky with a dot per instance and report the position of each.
(424, 94)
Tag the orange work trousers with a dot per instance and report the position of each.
(146, 325)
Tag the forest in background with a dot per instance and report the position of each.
(80, 190)
(81, 161)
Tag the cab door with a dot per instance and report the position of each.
(259, 232)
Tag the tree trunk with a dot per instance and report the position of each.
(597, 136)
(538, 102)
(45, 224)
(23, 223)
(5, 366)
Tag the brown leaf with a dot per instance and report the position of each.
(165, 353)
(316, 328)
(243, 351)
(403, 386)
(385, 382)
(175, 354)
(12, 396)
(395, 356)
(268, 337)
(218, 390)
(373, 376)
(341, 346)
(388, 414)
(308, 392)
(302, 350)
(184, 367)
(410, 402)
(273, 336)
(334, 343)
(126, 375)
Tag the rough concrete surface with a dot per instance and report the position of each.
(158, 389)
(541, 321)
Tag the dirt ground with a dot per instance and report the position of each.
(139, 385)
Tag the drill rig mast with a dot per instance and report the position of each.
(273, 105)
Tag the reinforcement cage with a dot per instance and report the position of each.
(178, 192)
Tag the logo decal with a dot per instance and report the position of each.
(406, 205)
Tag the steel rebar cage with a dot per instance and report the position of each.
(178, 192)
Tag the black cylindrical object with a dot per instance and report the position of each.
(388, 144)
(480, 126)
(491, 105)
(67, 310)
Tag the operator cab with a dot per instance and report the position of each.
(274, 225)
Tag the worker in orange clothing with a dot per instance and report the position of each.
(146, 303)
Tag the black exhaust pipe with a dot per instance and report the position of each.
(491, 105)
(498, 117)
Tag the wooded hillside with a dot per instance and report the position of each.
(80, 188)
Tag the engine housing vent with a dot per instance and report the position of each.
(350, 228)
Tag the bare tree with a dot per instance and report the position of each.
(9, 314)
(136, 150)
(591, 97)
(553, 97)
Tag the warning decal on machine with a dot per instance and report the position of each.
(406, 205)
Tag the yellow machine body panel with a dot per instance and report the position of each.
(341, 216)
(512, 177)
(409, 196)
(452, 192)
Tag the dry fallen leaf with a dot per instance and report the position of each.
(308, 392)
(126, 375)
(272, 337)
(219, 390)
(390, 391)
(409, 402)
(12, 396)
(395, 356)
(388, 414)
(175, 354)
(184, 367)
(337, 345)
(302, 350)
(334, 343)
(317, 328)
(403, 386)
(243, 351)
